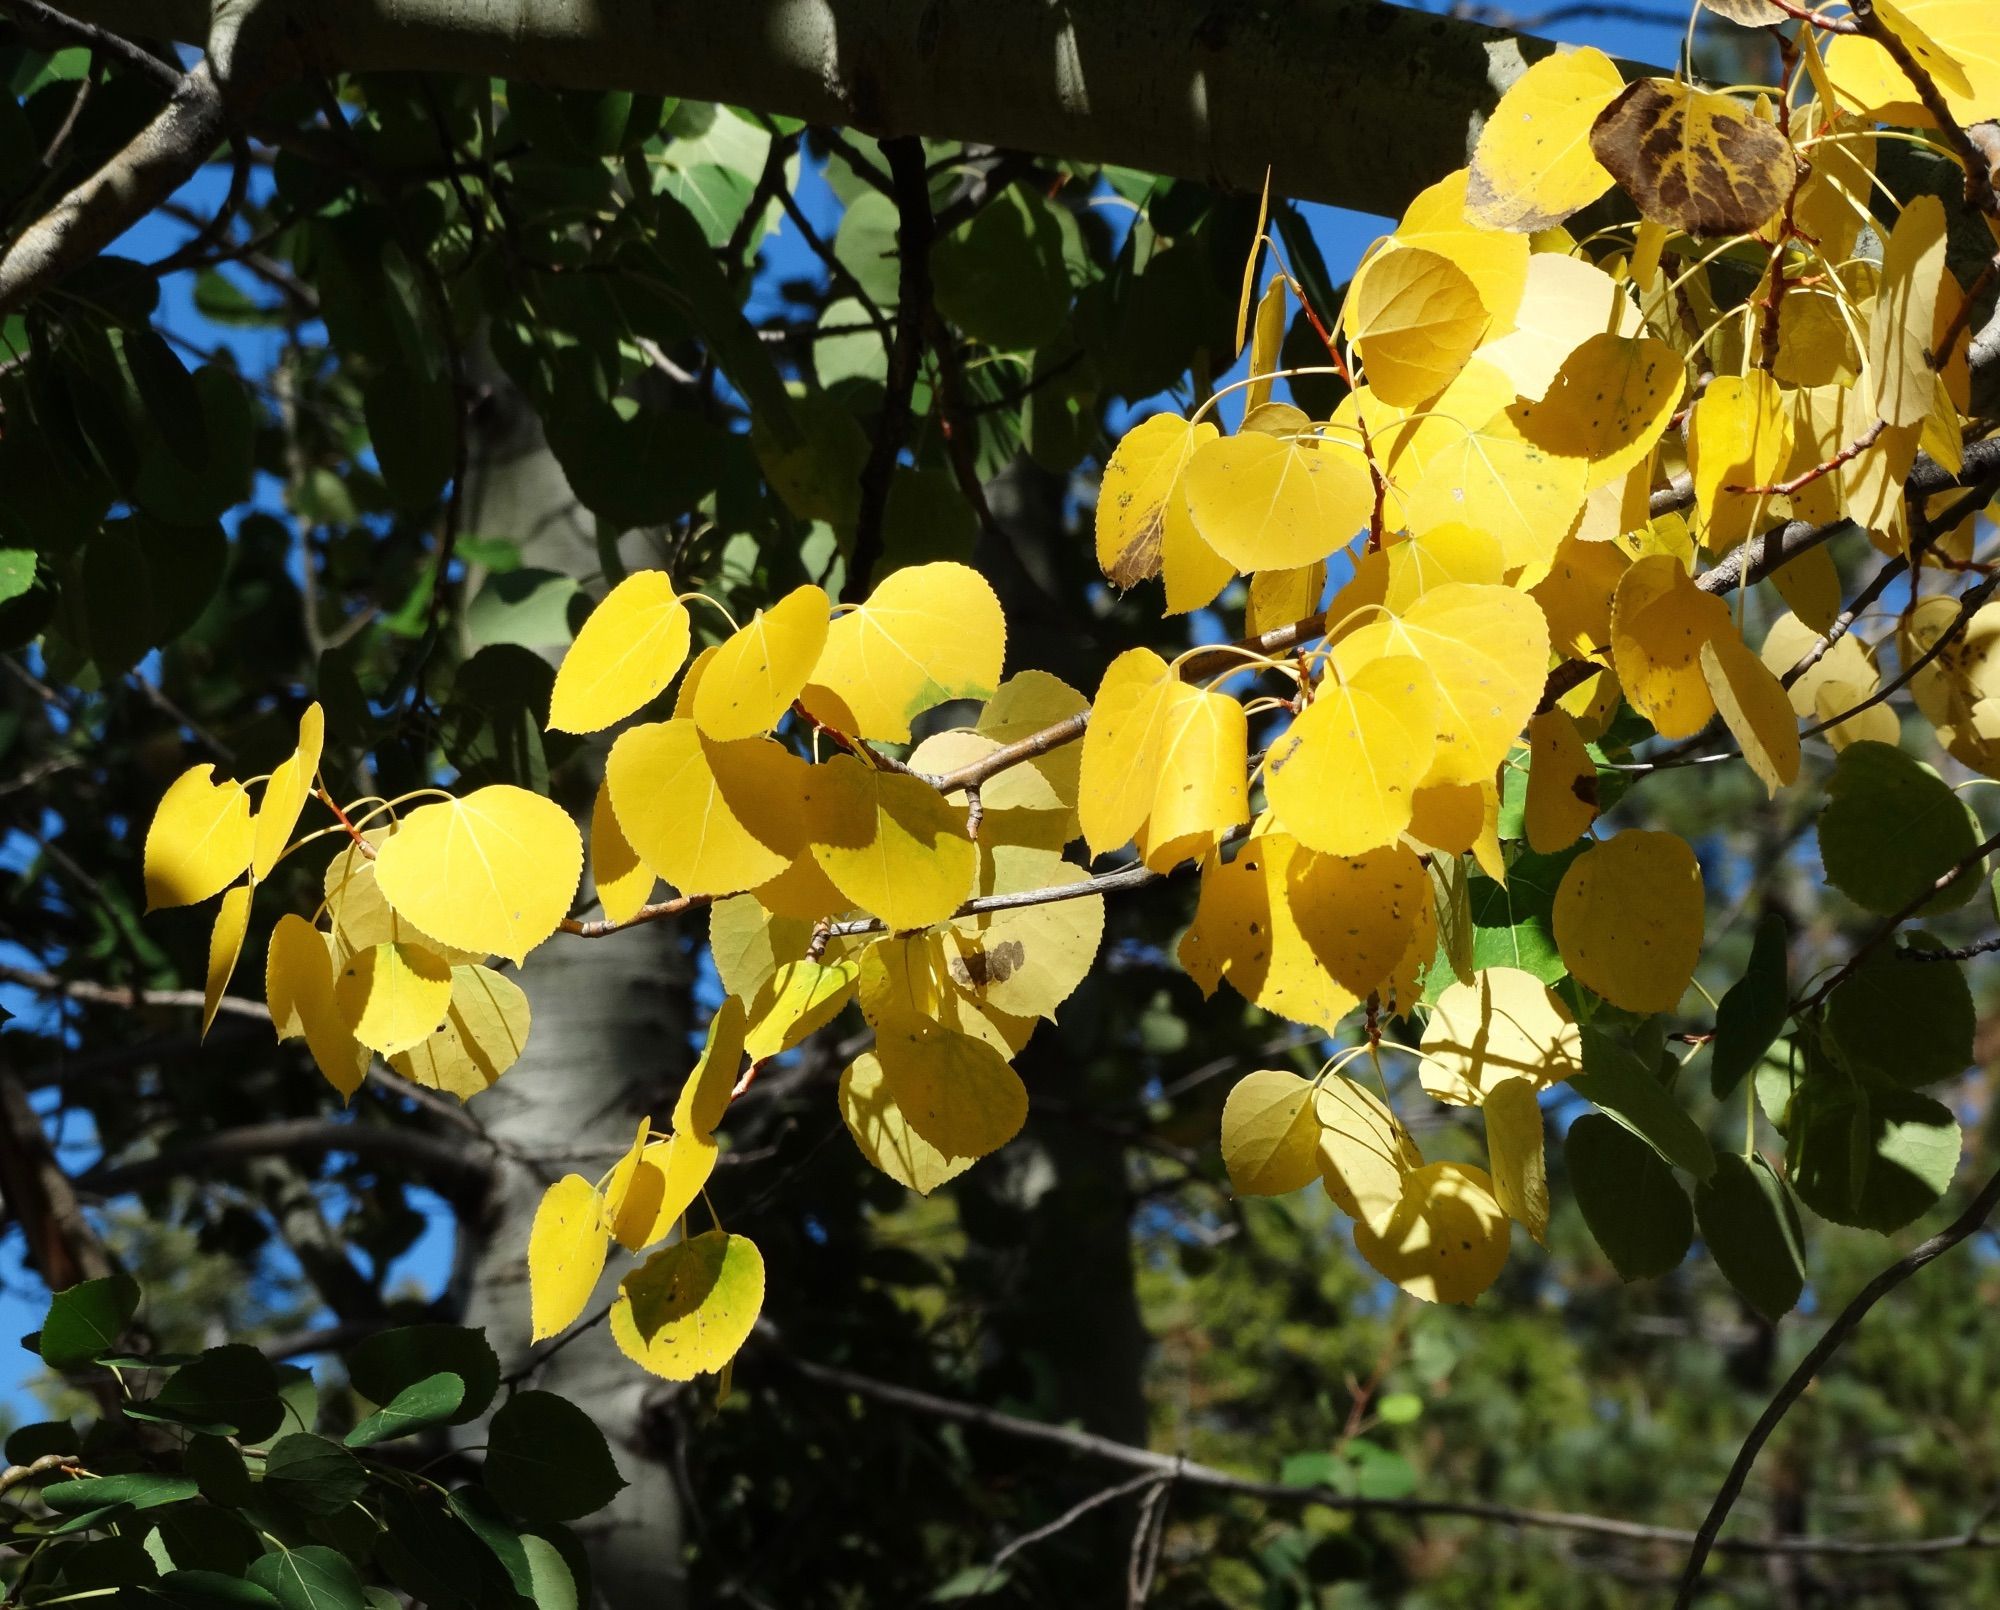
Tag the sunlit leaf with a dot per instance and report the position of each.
(628, 651)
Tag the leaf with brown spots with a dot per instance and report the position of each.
(1700, 163)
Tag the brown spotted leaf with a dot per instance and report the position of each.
(1700, 163)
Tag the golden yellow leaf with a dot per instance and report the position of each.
(1702, 163)
(1567, 300)
(1562, 783)
(225, 944)
(1026, 962)
(1416, 318)
(1754, 707)
(1505, 1024)
(802, 890)
(954, 1090)
(1280, 597)
(1533, 165)
(706, 1095)
(1244, 931)
(683, 709)
(484, 1032)
(885, 1137)
(628, 651)
(1121, 748)
(1200, 786)
(393, 997)
(285, 794)
(1844, 675)
(1448, 816)
(1516, 1154)
(890, 842)
(1487, 648)
(565, 1254)
(1904, 317)
(1268, 503)
(1609, 404)
(1810, 587)
(631, 1196)
(753, 679)
(709, 817)
(1343, 777)
(361, 917)
(1028, 703)
(1628, 919)
(1194, 572)
(200, 839)
(623, 882)
(1495, 260)
(1267, 335)
(1965, 34)
(1445, 1241)
(1358, 914)
(1451, 552)
(1659, 621)
(1363, 1153)
(927, 634)
(668, 1177)
(749, 943)
(689, 1309)
(1522, 495)
(298, 986)
(1739, 435)
(1141, 478)
(1270, 1138)
(801, 997)
(1576, 595)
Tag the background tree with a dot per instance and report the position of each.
(436, 322)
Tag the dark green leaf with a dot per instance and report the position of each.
(314, 1474)
(1892, 828)
(483, 1518)
(1630, 1199)
(1910, 1023)
(26, 1444)
(1753, 1013)
(392, 1361)
(1002, 276)
(312, 1578)
(228, 1391)
(167, 394)
(429, 1402)
(1618, 1081)
(547, 1461)
(1870, 1156)
(215, 1463)
(140, 1489)
(1752, 1230)
(86, 1320)
(209, 1590)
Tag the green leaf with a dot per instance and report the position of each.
(429, 1402)
(1630, 1199)
(311, 1578)
(1002, 276)
(209, 1590)
(17, 572)
(547, 1461)
(550, 1584)
(1868, 1156)
(218, 1468)
(1753, 1013)
(483, 1518)
(314, 1474)
(139, 1489)
(86, 1320)
(1513, 924)
(1911, 1023)
(227, 1391)
(1752, 1230)
(1618, 1081)
(26, 1444)
(818, 475)
(167, 393)
(183, 494)
(390, 1362)
(1892, 828)
(865, 245)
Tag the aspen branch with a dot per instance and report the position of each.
(427, 1153)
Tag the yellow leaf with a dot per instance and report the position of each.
(1267, 336)
(1562, 783)
(298, 986)
(1521, 495)
(1754, 707)
(1027, 703)
(1487, 648)
(1359, 914)
(1566, 302)
(1363, 1153)
(225, 944)
(705, 1097)
(1121, 748)
(750, 943)
(1963, 33)
(484, 1032)
(1343, 776)
(1200, 788)
(628, 651)
(1739, 434)
(393, 997)
(1141, 479)
(1701, 163)
(623, 882)
(1901, 326)
(200, 839)
(753, 679)
(1495, 260)
(361, 917)
(1659, 621)
(1515, 1150)
(1416, 318)
(285, 794)
(1026, 962)
(1270, 1138)
(801, 997)
(709, 817)
(689, 1309)
(890, 842)
(1609, 404)
(1280, 597)
(1810, 587)
(1576, 595)
(565, 1254)
(1442, 553)
(1628, 919)
(1845, 675)
(1505, 1024)
(691, 683)
(1445, 1241)
(928, 634)
(631, 1197)
(885, 1136)
(1244, 931)
(492, 872)
(1194, 572)
(954, 1090)
(1268, 503)
(1533, 165)
(654, 1184)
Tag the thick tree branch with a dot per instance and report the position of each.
(292, 1137)
(117, 995)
